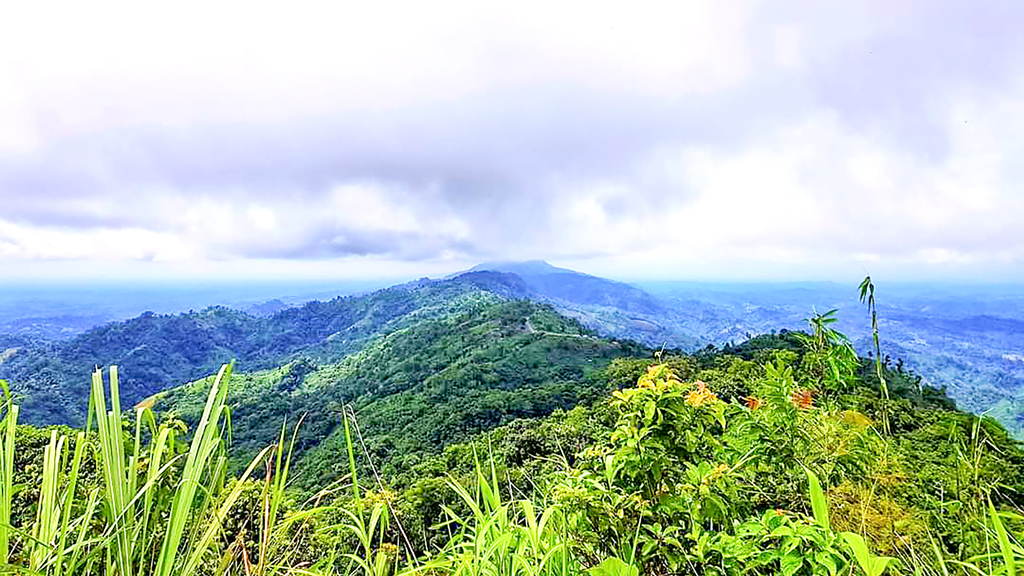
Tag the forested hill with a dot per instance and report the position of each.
(609, 307)
(969, 344)
(569, 286)
(418, 389)
(156, 352)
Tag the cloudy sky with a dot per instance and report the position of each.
(705, 140)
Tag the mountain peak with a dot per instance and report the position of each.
(522, 268)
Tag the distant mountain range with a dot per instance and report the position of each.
(969, 340)
(574, 288)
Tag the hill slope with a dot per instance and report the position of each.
(419, 388)
(769, 452)
(156, 352)
(614, 309)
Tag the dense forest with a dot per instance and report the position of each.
(158, 351)
(490, 436)
(418, 389)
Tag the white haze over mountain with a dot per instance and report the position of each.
(734, 140)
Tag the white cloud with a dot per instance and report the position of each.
(35, 243)
(713, 138)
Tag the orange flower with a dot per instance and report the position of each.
(753, 402)
(700, 396)
(802, 399)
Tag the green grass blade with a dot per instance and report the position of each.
(1005, 547)
(204, 443)
(7, 478)
(819, 504)
(214, 525)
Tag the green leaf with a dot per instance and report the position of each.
(1005, 548)
(613, 567)
(871, 565)
(819, 505)
(790, 564)
(825, 559)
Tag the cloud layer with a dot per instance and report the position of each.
(655, 139)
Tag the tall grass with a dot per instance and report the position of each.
(150, 494)
(7, 470)
(496, 537)
(513, 538)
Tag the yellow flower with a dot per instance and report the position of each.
(700, 396)
(388, 550)
(694, 398)
(715, 474)
(653, 373)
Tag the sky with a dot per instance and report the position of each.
(641, 140)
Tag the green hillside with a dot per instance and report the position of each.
(611, 308)
(157, 352)
(898, 489)
(417, 389)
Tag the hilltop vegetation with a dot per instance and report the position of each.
(964, 338)
(453, 427)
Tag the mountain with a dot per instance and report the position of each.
(497, 402)
(571, 287)
(419, 388)
(157, 351)
(523, 268)
(611, 308)
(446, 443)
(967, 339)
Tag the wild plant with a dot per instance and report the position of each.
(149, 497)
(867, 296)
(512, 538)
(829, 355)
